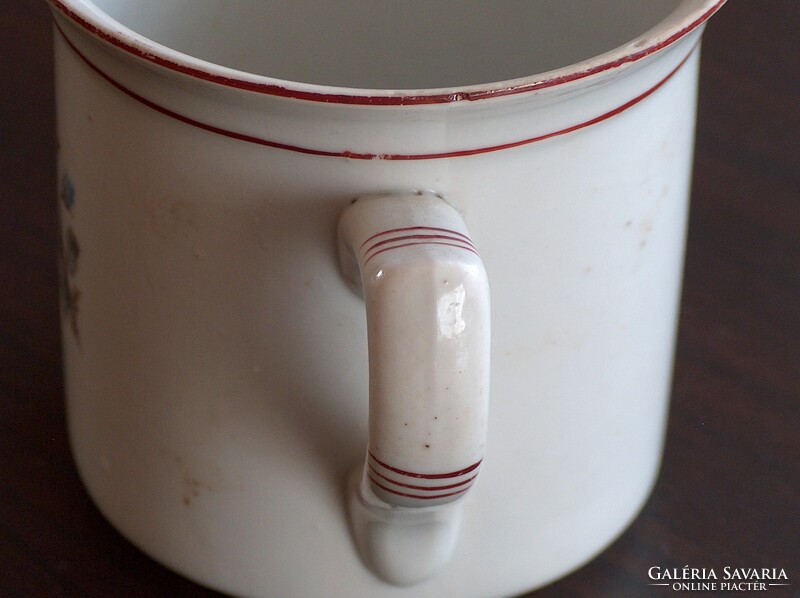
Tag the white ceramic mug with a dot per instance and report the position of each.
(216, 222)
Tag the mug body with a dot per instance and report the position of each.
(216, 360)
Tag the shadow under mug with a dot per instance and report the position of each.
(231, 172)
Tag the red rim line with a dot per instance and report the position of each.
(369, 156)
(379, 100)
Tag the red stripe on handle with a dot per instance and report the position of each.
(410, 228)
(427, 476)
(417, 237)
(407, 495)
(417, 243)
(425, 488)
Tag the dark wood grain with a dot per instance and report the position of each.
(729, 491)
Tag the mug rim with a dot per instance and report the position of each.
(101, 25)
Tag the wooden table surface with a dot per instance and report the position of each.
(729, 491)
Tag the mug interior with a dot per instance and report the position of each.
(391, 44)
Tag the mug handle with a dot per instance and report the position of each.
(428, 327)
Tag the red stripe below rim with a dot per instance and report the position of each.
(369, 156)
(427, 476)
(425, 488)
(379, 100)
(420, 497)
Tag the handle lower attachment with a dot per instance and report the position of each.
(428, 321)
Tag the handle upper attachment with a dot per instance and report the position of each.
(428, 322)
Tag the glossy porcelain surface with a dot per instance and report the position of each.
(428, 333)
(217, 360)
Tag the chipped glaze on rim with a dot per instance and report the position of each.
(163, 56)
